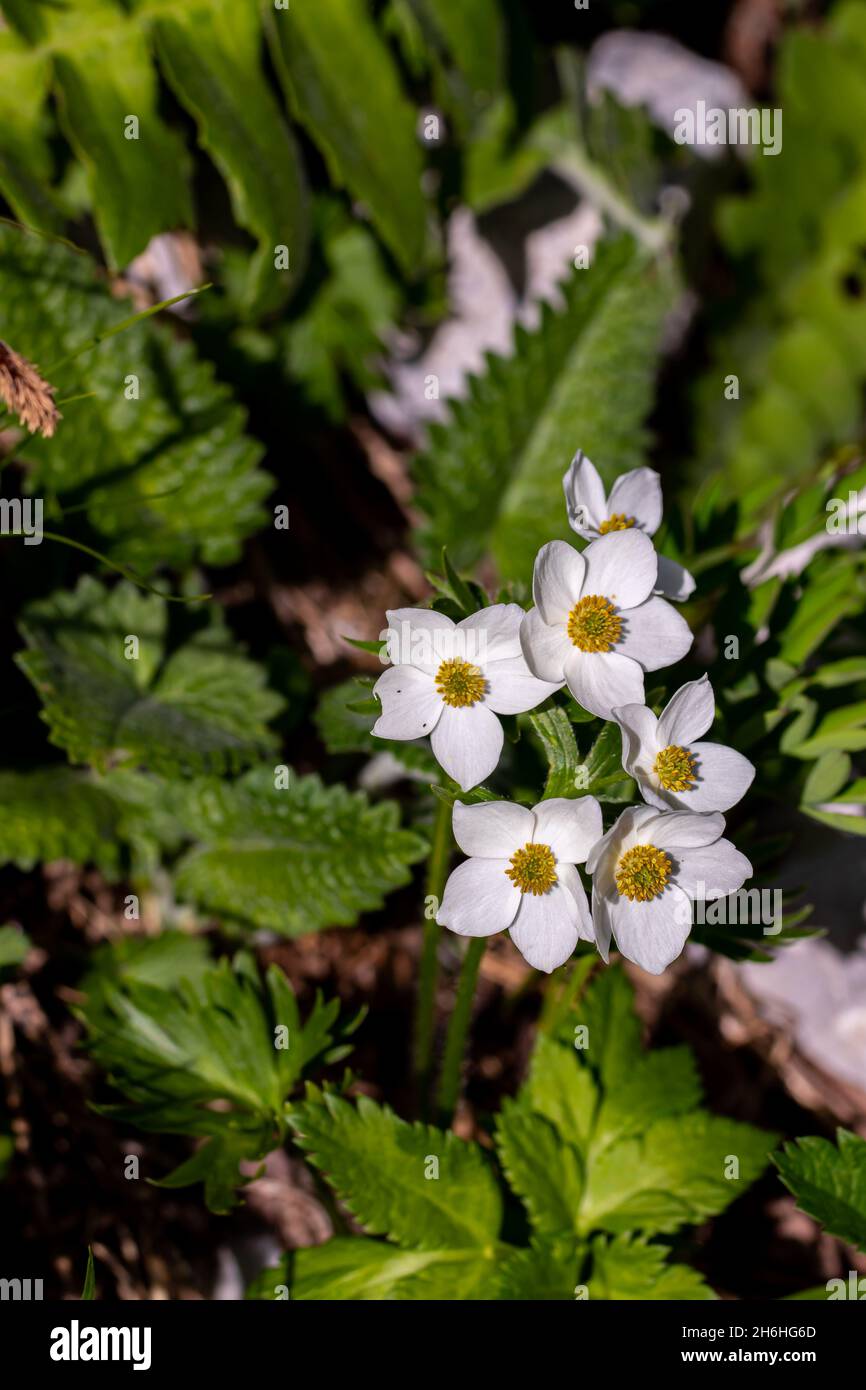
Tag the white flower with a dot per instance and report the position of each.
(450, 680)
(596, 624)
(647, 871)
(521, 875)
(671, 769)
(635, 501)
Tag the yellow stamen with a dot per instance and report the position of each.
(642, 873)
(593, 624)
(618, 522)
(675, 769)
(533, 869)
(459, 683)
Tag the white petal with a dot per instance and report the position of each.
(512, 688)
(712, 872)
(652, 934)
(492, 829)
(674, 581)
(570, 827)
(599, 681)
(545, 930)
(655, 634)
(411, 704)
(621, 566)
(688, 714)
(601, 923)
(584, 496)
(479, 898)
(724, 776)
(545, 648)
(680, 830)
(557, 580)
(491, 634)
(419, 637)
(638, 726)
(467, 743)
(638, 494)
(570, 880)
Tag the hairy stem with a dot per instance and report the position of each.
(437, 870)
(458, 1029)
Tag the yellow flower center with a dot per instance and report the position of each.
(675, 769)
(459, 683)
(593, 625)
(642, 873)
(618, 522)
(533, 869)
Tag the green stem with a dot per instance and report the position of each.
(458, 1029)
(121, 569)
(437, 870)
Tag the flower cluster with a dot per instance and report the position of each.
(599, 622)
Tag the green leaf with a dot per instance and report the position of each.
(25, 155)
(57, 813)
(543, 1171)
(89, 1290)
(290, 859)
(829, 1182)
(166, 478)
(673, 1174)
(215, 1052)
(343, 86)
(14, 945)
(547, 1270)
(362, 1270)
(554, 728)
(209, 51)
(343, 729)
(827, 777)
(493, 476)
(200, 707)
(562, 1090)
(626, 1268)
(137, 175)
(383, 1170)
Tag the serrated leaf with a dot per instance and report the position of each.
(493, 475)
(343, 86)
(361, 1270)
(164, 477)
(544, 1172)
(290, 859)
(57, 813)
(210, 53)
(673, 1175)
(546, 1271)
(200, 707)
(214, 1053)
(562, 1090)
(380, 1167)
(626, 1268)
(829, 1182)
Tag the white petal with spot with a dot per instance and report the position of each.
(584, 496)
(411, 704)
